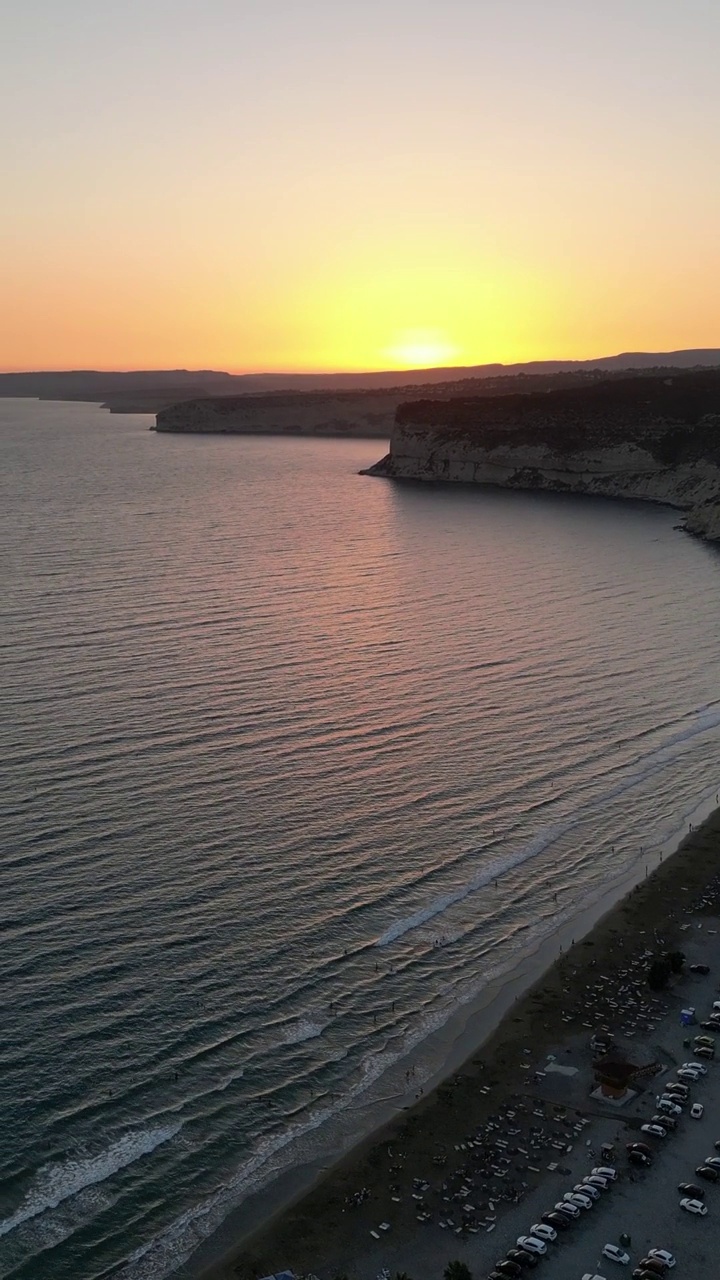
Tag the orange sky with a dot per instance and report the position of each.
(284, 186)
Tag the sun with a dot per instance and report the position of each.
(421, 349)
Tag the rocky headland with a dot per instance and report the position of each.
(651, 438)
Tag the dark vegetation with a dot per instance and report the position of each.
(675, 416)
(663, 967)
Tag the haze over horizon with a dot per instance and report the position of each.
(297, 188)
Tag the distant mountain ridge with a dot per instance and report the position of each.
(147, 390)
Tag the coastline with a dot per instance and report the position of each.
(299, 1221)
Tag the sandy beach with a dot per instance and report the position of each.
(439, 1181)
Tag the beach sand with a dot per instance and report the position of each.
(323, 1234)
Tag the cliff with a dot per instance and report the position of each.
(339, 414)
(652, 438)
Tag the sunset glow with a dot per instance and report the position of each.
(311, 187)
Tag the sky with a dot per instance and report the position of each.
(293, 185)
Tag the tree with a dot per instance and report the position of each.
(659, 974)
(457, 1271)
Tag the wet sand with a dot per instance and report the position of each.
(322, 1233)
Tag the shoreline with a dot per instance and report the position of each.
(282, 1225)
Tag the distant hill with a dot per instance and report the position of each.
(148, 390)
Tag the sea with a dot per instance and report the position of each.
(295, 764)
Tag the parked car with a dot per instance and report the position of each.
(667, 1122)
(709, 1041)
(597, 1181)
(667, 1104)
(704, 1051)
(664, 1255)
(532, 1244)
(692, 1190)
(523, 1257)
(576, 1197)
(639, 1158)
(696, 1110)
(615, 1254)
(564, 1206)
(677, 1086)
(687, 1073)
(592, 1276)
(587, 1189)
(605, 1171)
(654, 1129)
(653, 1265)
(641, 1274)
(693, 1206)
(699, 968)
(508, 1268)
(707, 1172)
(560, 1221)
(707, 1025)
(713, 1161)
(639, 1146)
(696, 1066)
(542, 1231)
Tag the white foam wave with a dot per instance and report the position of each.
(55, 1183)
(299, 1031)
(705, 720)
(490, 872)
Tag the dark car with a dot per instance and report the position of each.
(655, 1265)
(699, 968)
(497, 1275)
(640, 1146)
(642, 1273)
(523, 1258)
(666, 1122)
(716, 1146)
(639, 1158)
(692, 1190)
(508, 1268)
(556, 1220)
(708, 1026)
(707, 1172)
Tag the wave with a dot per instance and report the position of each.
(300, 1031)
(705, 719)
(55, 1183)
(490, 872)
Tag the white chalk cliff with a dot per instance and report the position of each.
(644, 449)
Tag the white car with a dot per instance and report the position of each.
(541, 1231)
(654, 1129)
(564, 1206)
(532, 1244)
(695, 1066)
(587, 1276)
(606, 1172)
(662, 1255)
(612, 1252)
(594, 1180)
(696, 1110)
(576, 1197)
(587, 1189)
(667, 1104)
(694, 1206)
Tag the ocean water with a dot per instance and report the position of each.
(294, 762)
